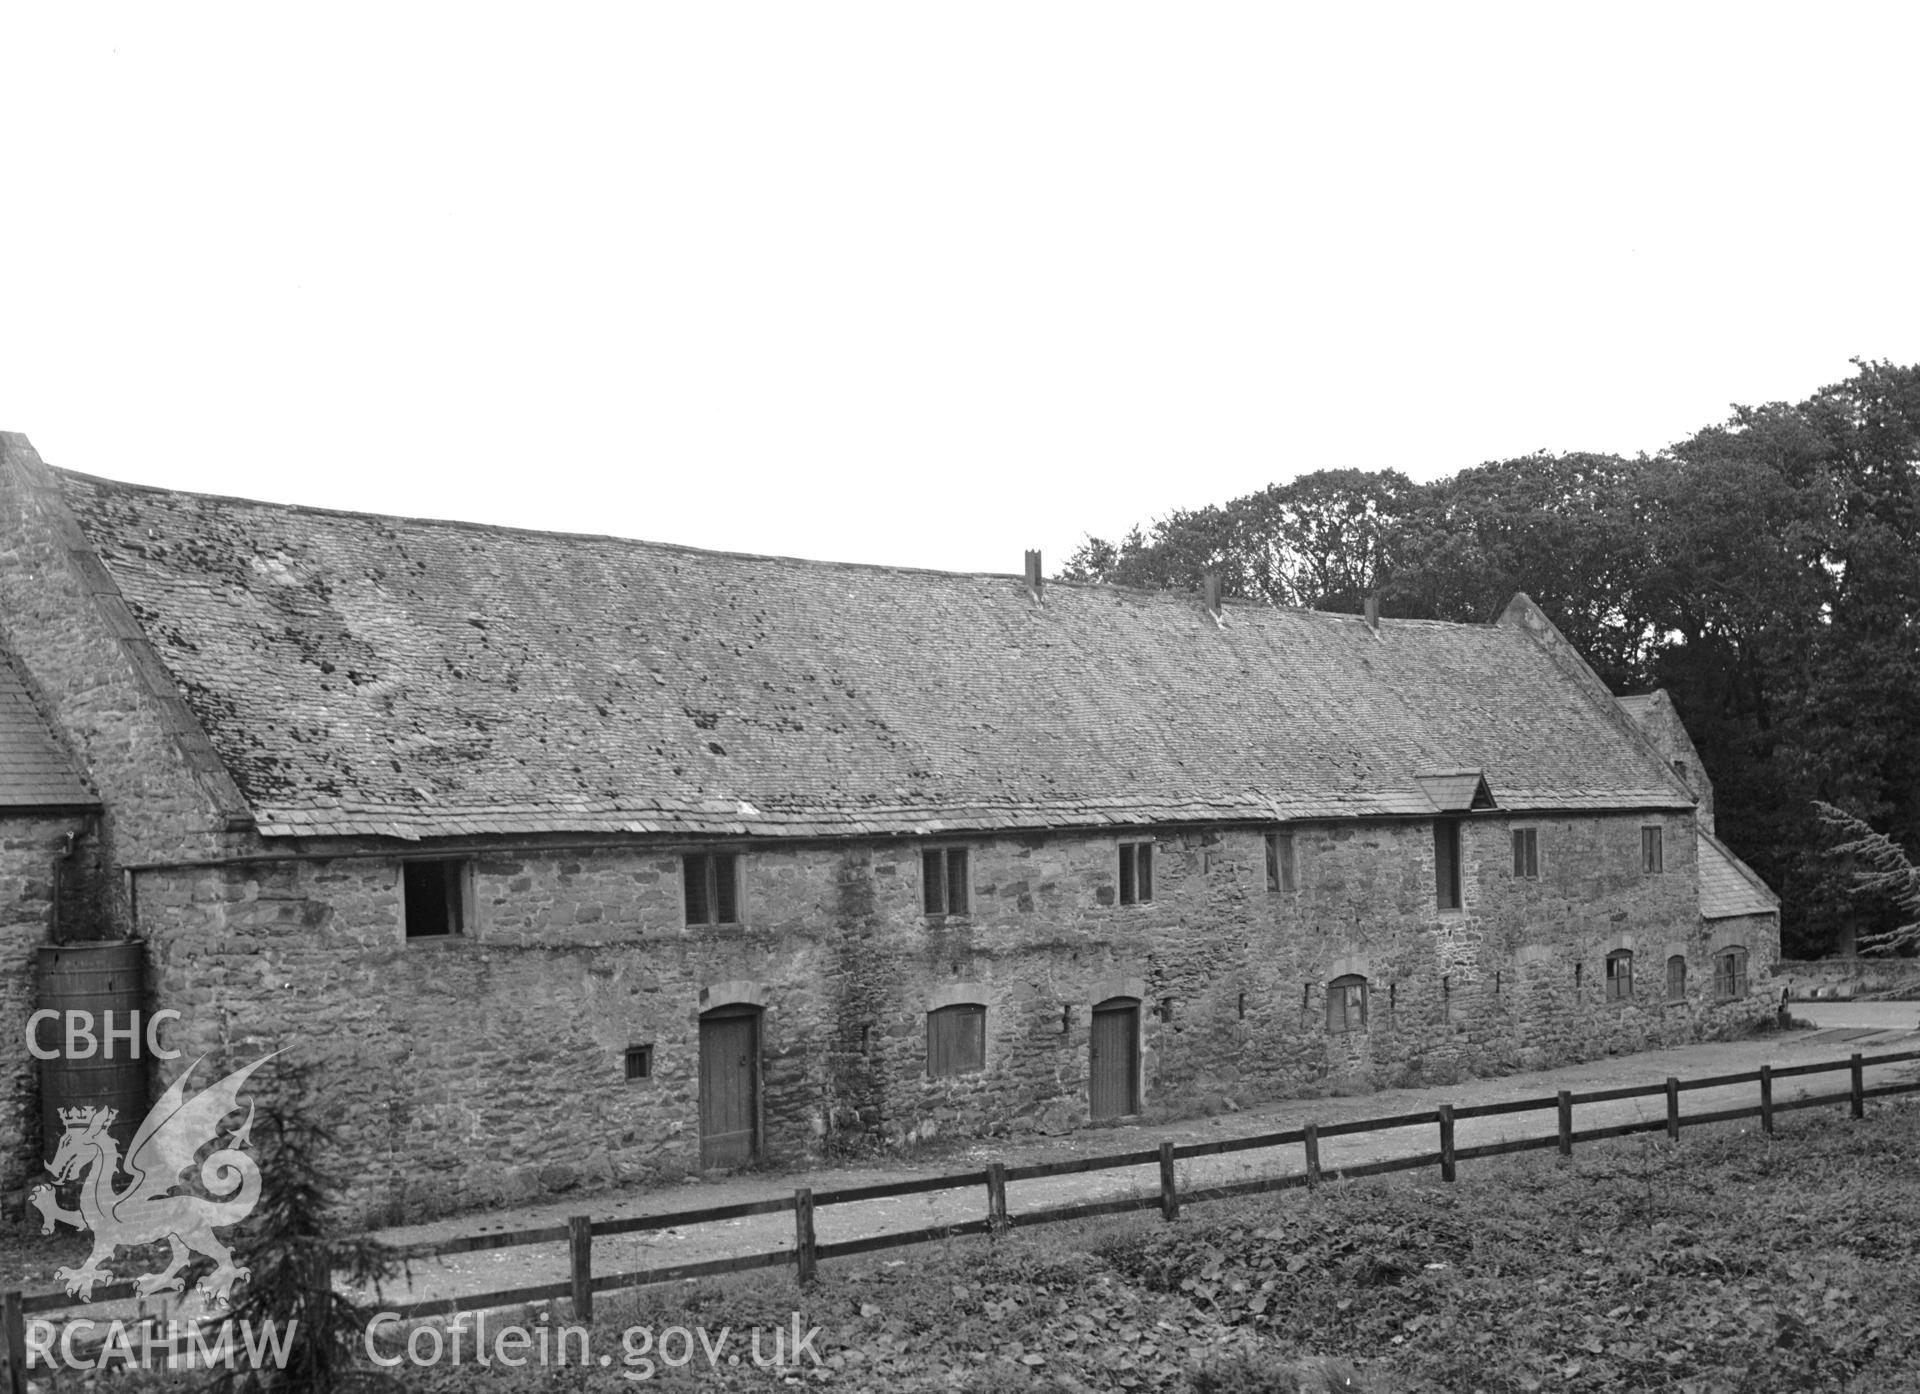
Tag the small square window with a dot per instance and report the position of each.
(1446, 863)
(1136, 873)
(1620, 976)
(1280, 867)
(1526, 853)
(712, 886)
(956, 1040)
(435, 898)
(639, 1062)
(1346, 1005)
(945, 887)
(1653, 852)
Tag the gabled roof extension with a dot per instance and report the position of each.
(1456, 791)
(35, 771)
(1728, 886)
(366, 675)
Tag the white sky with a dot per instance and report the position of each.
(926, 284)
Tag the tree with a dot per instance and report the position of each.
(1887, 872)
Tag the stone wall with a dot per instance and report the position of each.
(94, 674)
(1809, 979)
(490, 1065)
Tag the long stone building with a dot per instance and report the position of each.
(569, 859)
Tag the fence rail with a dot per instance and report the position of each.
(580, 1231)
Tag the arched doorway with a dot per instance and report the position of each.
(729, 1085)
(1113, 1059)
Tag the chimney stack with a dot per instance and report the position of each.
(1373, 611)
(1033, 574)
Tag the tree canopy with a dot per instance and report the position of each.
(1765, 572)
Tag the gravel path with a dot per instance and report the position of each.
(1843, 1029)
(529, 1265)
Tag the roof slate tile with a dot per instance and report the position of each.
(367, 675)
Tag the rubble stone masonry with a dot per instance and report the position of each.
(490, 1065)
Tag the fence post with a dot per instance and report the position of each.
(803, 1233)
(1859, 1085)
(1766, 1098)
(13, 1342)
(1310, 1136)
(997, 1196)
(580, 1243)
(1566, 1122)
(1673, 1109)
(1169, 1196)
(1446, 1142)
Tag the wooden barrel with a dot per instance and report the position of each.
(95, 978)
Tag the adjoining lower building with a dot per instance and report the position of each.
(570, 859)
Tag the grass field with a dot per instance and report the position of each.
(1730, 1261)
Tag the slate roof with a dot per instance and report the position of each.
(35, 772)
(365, 675)
(1637, 705)
(1728, 886)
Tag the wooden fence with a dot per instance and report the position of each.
(580, 1231)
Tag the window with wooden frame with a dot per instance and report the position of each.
(1653, 851)
(712, 881)
(639, 1062)
(1136, 873)
(1526, 853)
(435, 898)
(1281, 875)
(1620, 975)
(1446, 863)
(1346, 1005)
(945, 885)
(1676, 977)
(956, 1040)
(1730, 974)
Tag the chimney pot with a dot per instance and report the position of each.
(1210, 589)
(1373, 611)
(1033, 573)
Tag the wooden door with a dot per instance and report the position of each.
(1113, 1063)
(729, 1086)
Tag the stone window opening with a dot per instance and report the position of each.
(946, 885)
(1730, 974)
(1281, 873)
(1446, 863)
(1136, 873)
(1579, 972)
(1620, 975)
(1653, 851)
(1347, 1005)
(956, 1040)
(435, 898)
(1526, 853)
(1677, 978)
(1243, 1006)
(639, 1061)
(712, 887)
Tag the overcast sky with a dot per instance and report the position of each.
(926, 284)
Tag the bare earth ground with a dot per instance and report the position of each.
(1842, 1028)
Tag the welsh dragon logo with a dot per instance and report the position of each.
(146, 1210)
